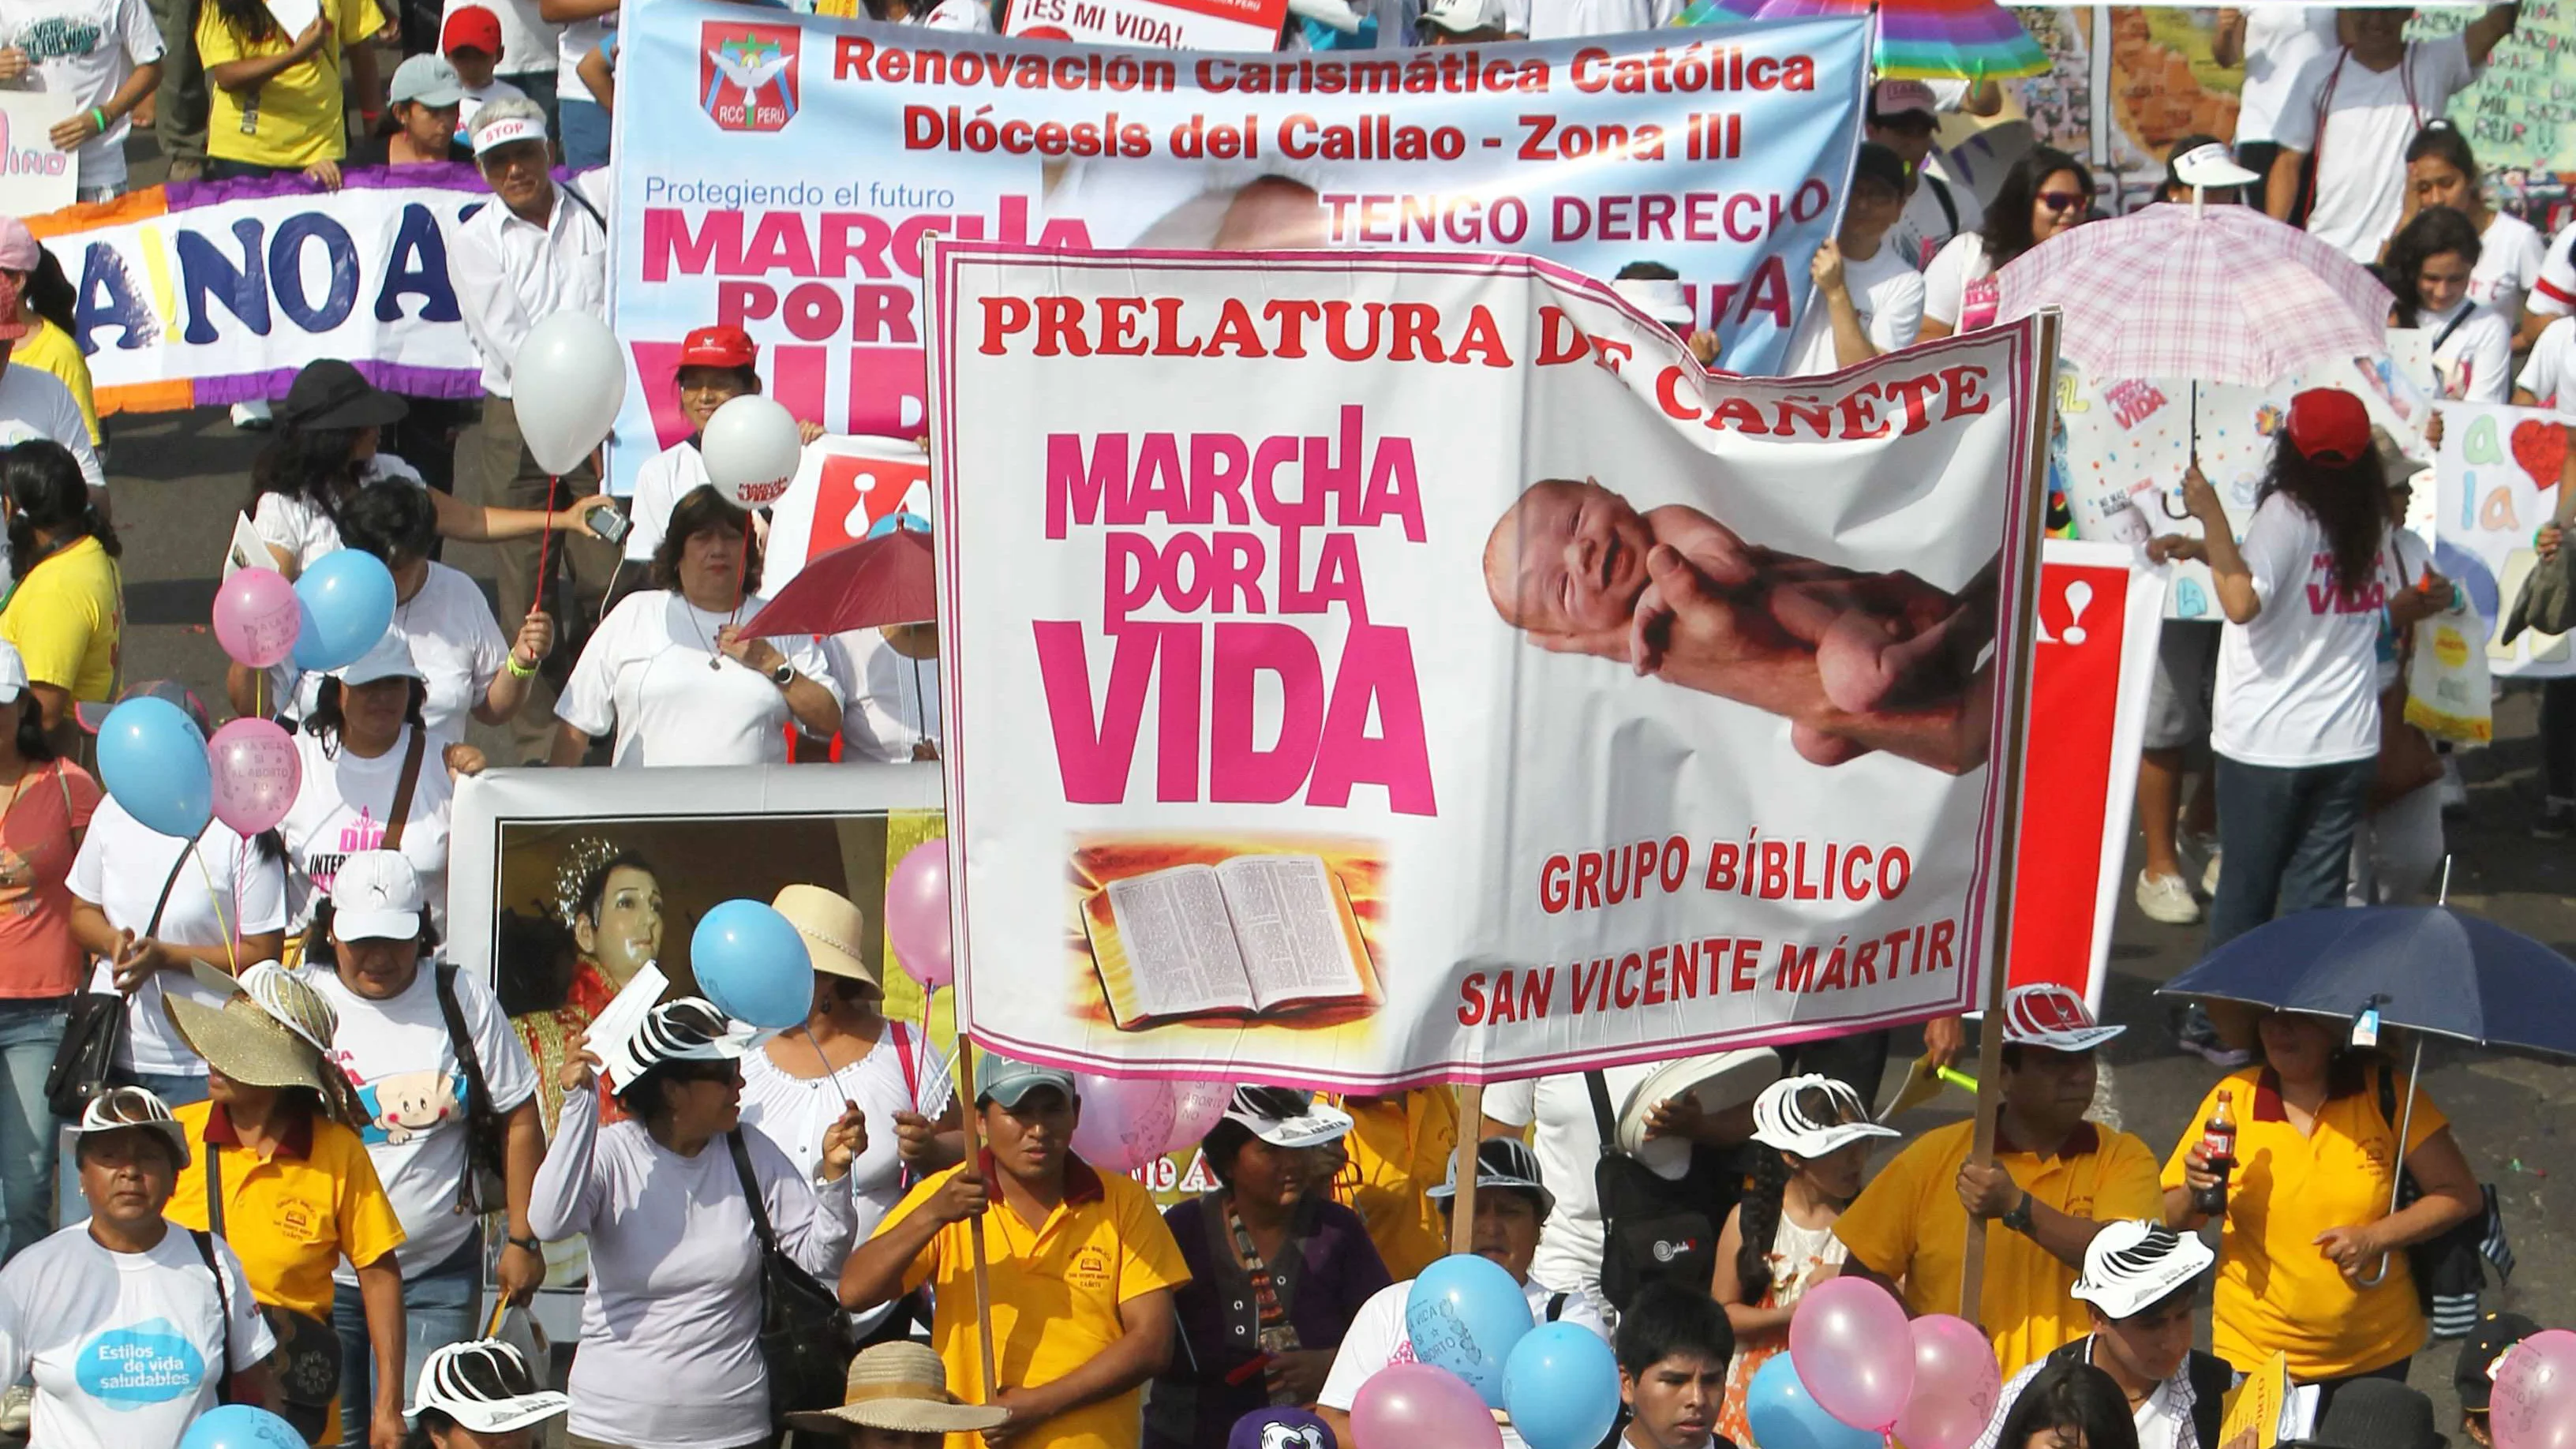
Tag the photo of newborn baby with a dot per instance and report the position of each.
(1855, 662)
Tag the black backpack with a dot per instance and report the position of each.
(1655, 1228)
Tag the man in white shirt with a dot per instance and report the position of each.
(1511, 1204)
(2355, 109)
(2140, 1285)
(2274, 43)
(103, 56)
(1868, 299)
(535, 250)
(1903, 116)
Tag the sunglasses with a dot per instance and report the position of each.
(2061, 200)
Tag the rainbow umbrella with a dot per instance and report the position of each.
(1917, 39)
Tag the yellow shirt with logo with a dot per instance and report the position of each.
(293, 1214)
(1056, 1292)
(2277, 1292)
(1909, 1225)
(66, 617)
(296, 117)
(1399, 1147)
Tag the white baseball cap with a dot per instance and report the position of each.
(13, 674)
(1659, 298)
(376, 896)
(2132, 1266)
(1779, 1120)
(968, 17)
(1896, 97)
(484, 1385)
(389, 659)
(1501, 1162)
(2211, 165)
(500, 131)
(2052, 1016)
(1458, 17)
(1267, 1111)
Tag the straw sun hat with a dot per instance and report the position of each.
(832, 928)
(902, 1387)
(274, 1032)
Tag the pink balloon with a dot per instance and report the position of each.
(256, 618)
(1853, 1352)
(1126, 1122)
(1196, 1109)
(2534, 1404)
(256, 773)
(1956, 1383)
(1413, 1405)
(916, 914)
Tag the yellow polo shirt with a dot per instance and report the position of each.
(1056, 1292)
(1399, 1146)
(2277, 1292)
(65, 619)
(1909, 1225)
(292, 1215)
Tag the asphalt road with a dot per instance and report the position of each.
(177, 480)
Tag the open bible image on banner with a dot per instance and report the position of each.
(1184, 929)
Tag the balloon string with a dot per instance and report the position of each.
(545, 542)
(232, 956)
(829, 1070)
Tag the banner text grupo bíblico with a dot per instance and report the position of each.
(798, 212)
(1288, 609)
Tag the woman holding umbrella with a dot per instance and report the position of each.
(2313, 1262)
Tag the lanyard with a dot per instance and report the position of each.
(2325, 100)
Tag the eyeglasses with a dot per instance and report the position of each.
(2062, 200)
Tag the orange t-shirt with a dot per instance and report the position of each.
(50, 805)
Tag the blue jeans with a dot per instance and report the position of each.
(585, 134)
(2286, 837)
(440, 1307)
(31, 1031)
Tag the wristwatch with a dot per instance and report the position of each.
(783, 675)
(529, 1243)
(2019, 1218)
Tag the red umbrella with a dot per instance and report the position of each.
(876, 581)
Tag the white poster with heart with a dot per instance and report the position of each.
(1375, 668)
(2496, 483)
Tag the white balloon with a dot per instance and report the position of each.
(567, 386)
(752, 449)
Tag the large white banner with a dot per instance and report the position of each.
(1373, 668)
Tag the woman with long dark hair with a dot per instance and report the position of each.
(367, 768)
(2070, 1406)
(2295, 722)
(68, 612)
(2430, 266)
(2044, 194)
(48, 307)
(2441, 170)
(329, 430)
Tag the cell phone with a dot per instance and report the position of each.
(610, 522)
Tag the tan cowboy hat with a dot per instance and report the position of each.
(832, 927)
(902, 1387)
(271, 1033)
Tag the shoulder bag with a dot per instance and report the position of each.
(307, 1362)
(205, 1242)
(805, 1339)
(484, 1186)
(1654, 1228)
(94, 1032)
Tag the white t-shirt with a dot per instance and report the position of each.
(454, 640)
(35, 404)
(667, 477)
(794, 1112)
(1567, 1144)
(2163, 1420)
(2279, 42)
(477, 97)
(127, 1349)
(2553, 294)
(890, 701)
(2410, 555)
(1377, 1337)
(2297, 686)
(527, 41)
(644, 674)
(2510, 254)
(398, 1055)
(1888, 294)
(120, 869)
(84, 49)
(2361, 171)
(1558, 19)
(2551, 367)
(2475, 360)
(1959, 285)
(342, 807)
(572, 46)
(1925, 227)
(290, 522)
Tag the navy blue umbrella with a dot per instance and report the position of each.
(2428, 968)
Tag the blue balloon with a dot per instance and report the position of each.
(751, 963)
(239, 1426)
(1783, 1415)
(1466, 1315)
(1561, 1387)
(154, 762)
(346, 602)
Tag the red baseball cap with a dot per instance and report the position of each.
(471, 28)
(719, 347)
(2330, 426)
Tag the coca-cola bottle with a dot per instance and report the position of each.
(2218, 1154)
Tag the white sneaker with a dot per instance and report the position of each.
(17, 1408)
(2167, 898)
(2209, 876)
(253, 416)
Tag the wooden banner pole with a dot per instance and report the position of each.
(974, 1119)
(1471, 1135)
